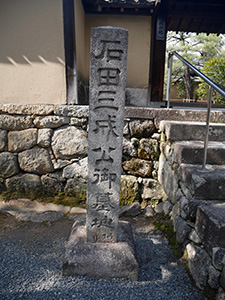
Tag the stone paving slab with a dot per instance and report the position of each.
(205, 184)
(34, 211)
(210, 225)
(186, 131)
(192, 152)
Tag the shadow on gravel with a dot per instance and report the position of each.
(31, 256)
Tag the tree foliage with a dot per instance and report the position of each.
(196, 49)
(215, 70)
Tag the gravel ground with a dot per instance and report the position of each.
(31, 257)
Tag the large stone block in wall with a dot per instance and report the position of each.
(129, 190)
(44, 137)
(198, 263)
(50, 121)
(24, 183)
(210, 225)
(152, 190)
(52, 183)
(77, 169)
(15, 122)
(168, 179)
(69, 142)
(36, 160)
(3, 140)
(139, 128)
(22, 140)
(148, 149)
(76, 187)
(138, 167)
(8, 164)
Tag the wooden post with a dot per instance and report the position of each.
(70, 51)
(157, 55)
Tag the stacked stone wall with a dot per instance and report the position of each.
(43, 150)
(206, 263)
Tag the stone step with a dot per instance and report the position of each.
(210, 225)
(202, 184)
(192, 152)
(186, 131)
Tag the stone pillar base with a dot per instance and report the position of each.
(101, 260)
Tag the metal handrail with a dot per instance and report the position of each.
(212, 85)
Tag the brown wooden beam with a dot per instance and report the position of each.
(70, 51)
(157, 55)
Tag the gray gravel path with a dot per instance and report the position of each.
(31, 256)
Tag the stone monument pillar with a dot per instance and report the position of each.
(105, 136)
(103, 246)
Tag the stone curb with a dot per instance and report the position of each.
(31, 210)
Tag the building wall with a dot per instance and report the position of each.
(139, 28)
(32, 60)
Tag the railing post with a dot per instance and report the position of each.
(169, 75)
(207, 128)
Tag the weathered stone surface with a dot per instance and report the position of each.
(101, 260)
(76, 187)
(148, 149)
(35, 160)
(182, 230)
(168, 179)
(152, 190)
(184, 131)
(184, 207)
(214, 276)
(139, 128)
(155, 170)
(193, 236)
(47, 216)
(69, 142)
(44, 137)
(132, 210)
(71, 111)
(77, 210)
(22, 140)
(218, 257)
(192, 152)
(222, 278)
(167, 207)
(203, 184)
(193, 205)
(198, 263)
(79, 122)
(27, 109)
(159, 208)
(8, 164)
(149, 211)
(129, 147)
(8, 122)
(77, 169)
(52, 183)
(26, 205)
(175, 211)
(60, 163)
(138, 167)
(24, 183)
(51, 121)
(129, 190)
(221, 294)
(210, 225)
(3, 140)
(106, 123)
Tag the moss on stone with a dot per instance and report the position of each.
(129, 191)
